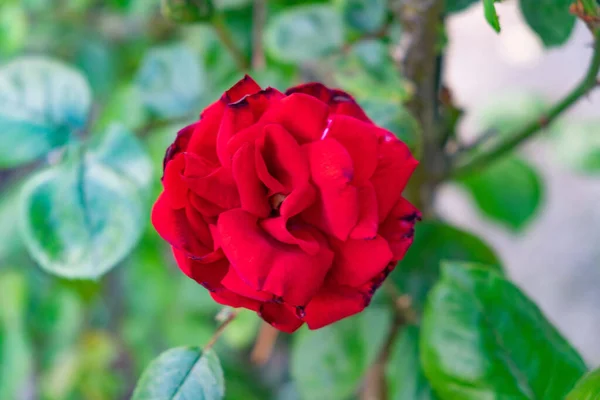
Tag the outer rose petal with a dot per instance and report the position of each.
(269, 265)
(332, 304)
(244, 87)
(368, 217)
(180, 144)
(228, 298)
(280, 316)
(358, 261)
(233, 282)
(204, 137)
(339, 101)
(208, 275)
(303, 116)
(396, 165)
(398, 228)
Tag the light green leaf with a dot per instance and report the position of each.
(13, 28)
(550, 19)
(577, 145)
(79, 221)
(491, 16)
(16, 359)
(125, 106)
(125, 154)
(328, 363)
(41, 103)
(304, 33)
(436, 242)
(588, 387)
(405, 377)
(182, 373)
(171, 80)
(364, 15)
(186, 11)
(509, 191)
(482, 338)
(454, 6)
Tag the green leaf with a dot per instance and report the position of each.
(395, 118)
(364, 15)
(125, 154)
(483, 338)
(13, 28)
(405, 376)
(304, 33)
(97, 60)
(9, 231)
(588, 388)
(491, 16)
(509, 191)
(577, 145)
(41, 103)
(186, 11)
(436, 242)
(182, 373)
(171, 80)
(550, 19)
(328, 363)
(123, 105)
(16, 359)
(80, 220)
(454, 6)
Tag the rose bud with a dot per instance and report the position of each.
(289, 205)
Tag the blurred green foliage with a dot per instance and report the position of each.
(91, 94)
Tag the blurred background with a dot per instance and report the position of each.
(91, 339)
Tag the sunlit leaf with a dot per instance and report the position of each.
(182, 373)
(508, 191)
(171, 80)
(436, 242)
(587, 388)
(304, 33)
(577, 145)
(483, 338)
(491, 16)
(13, 28)
(328, 363)
(80, 220)
(41, 103)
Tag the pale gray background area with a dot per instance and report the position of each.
(556, 260)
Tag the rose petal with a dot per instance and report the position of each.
(203, 141)
(208, 275)
(244, 87)
(176, 189)
(280, 316)
(277, 227)
(253, 194)
(396, 165)
(304, 116)
(180, 144)
(398, 228)
(358, 261)
(269, 265)
(332, 304)
(228, 298)
(233, 282)
(368, 217)
(218, 186)
(335, 210)
(360, 141)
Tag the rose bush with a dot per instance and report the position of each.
(287, 204)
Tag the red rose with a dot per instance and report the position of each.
(287, 204)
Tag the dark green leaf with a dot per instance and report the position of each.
(588, 388)
(171, 81)
(436, 242)
(304, 33)
(97, 61)
(405, 377)
(41, 103)
(508, 191)
(10, 201)
(80, 220)
(229, 4)
(454, 6)
(187, 11)
(483, 338)
(182, 373)
(125, 154)
(550, 19)
(328, 363)
(577, 144)
(364, 15)
(490, 14)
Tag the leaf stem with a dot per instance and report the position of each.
(259, 16)
(588, 83)
(224, 35)
(221, 329)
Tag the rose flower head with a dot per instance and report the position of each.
(289, 205)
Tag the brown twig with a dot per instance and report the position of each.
(265, 342)
(259, 17)
(221, 329)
